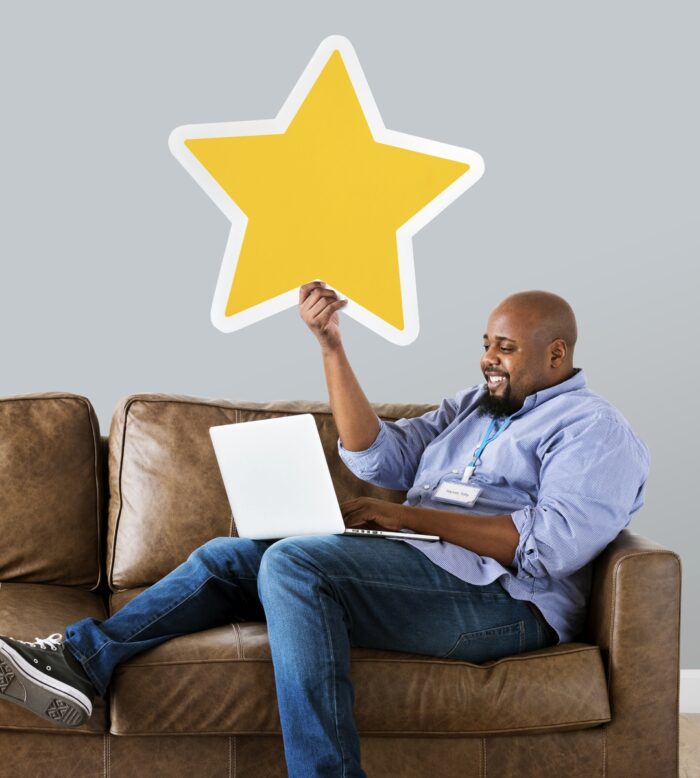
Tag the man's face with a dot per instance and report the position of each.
(515, 361)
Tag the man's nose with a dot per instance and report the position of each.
(490, 357)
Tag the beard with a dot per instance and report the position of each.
(498, 407)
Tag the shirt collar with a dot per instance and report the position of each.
(577, 381)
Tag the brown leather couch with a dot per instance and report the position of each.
(88, 523)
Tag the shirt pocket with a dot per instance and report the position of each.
(485, 644)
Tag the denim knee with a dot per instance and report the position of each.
(213, 554)
(278, 562)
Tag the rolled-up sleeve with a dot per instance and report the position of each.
(392, 459)
(592, 481)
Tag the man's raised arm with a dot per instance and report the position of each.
(356, 421)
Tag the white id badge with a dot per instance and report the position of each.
(457, 493)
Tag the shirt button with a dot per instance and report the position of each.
(455, 471)
(426, 486)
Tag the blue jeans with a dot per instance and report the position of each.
(320, 595)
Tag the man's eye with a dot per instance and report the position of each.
(506, 350)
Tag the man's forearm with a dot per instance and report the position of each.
(493, 536)
(356, 421)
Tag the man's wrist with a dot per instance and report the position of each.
(331, 351)
(408, 518)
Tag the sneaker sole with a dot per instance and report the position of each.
(47, 697)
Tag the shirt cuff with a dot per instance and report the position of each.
(526, 555)
(365, 461)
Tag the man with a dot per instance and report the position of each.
(525, 478)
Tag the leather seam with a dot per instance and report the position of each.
(438, 660)
(50, 396)
(503, 660)
(536, 730)
(605, 753)
(52, 730)
(193, 662)
(127, 408)
(98, 483)
(246, 405)
(483, 757)
(678, 662)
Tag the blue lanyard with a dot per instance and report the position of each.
(489, 437)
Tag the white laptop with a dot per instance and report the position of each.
(278, 482)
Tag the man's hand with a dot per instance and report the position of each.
(494, 536)
(381, 513)
(317, 307)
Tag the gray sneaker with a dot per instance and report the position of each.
(44, 677)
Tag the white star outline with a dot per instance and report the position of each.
(279, 125)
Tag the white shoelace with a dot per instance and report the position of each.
(52, 641)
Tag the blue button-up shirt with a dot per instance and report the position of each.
(569, 470)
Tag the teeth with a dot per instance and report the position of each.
(496, 379)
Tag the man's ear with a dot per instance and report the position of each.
(557, 352)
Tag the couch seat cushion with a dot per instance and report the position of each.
(29, 611)
(221, 680)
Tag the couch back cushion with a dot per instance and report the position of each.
(166, 493)
(50, 490)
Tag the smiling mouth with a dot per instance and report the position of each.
(495, 381)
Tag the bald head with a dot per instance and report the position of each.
(528, 346)
(547, 316)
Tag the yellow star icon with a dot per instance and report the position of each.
(323, 191)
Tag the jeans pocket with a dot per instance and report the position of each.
(546, 634)
(492, 643)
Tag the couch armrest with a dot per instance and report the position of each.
(634, 617)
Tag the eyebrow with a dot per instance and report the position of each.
(500, 337)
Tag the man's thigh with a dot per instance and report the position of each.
(395, 598)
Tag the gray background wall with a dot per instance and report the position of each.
(586, 115)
